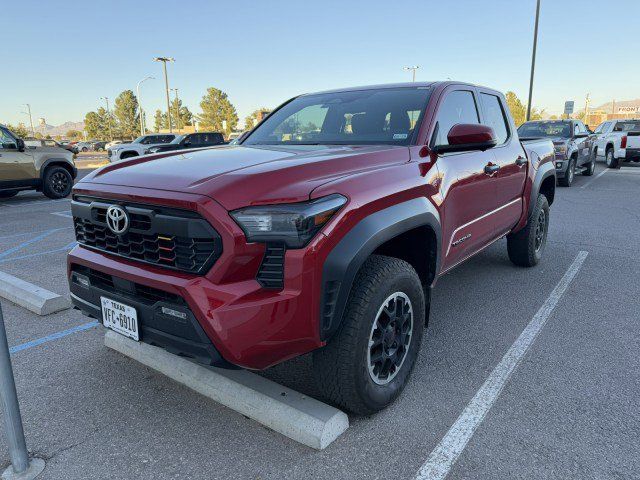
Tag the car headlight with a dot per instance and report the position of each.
(294, 224)
(561, 149)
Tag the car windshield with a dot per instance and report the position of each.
(178, 139)
(630, 126)
(363, 117)
(139, 139)
(544, 129)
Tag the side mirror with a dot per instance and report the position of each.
(20, 144)
(465, 137)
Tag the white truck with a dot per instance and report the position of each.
(617, 141)
(138, 146)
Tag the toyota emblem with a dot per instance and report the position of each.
(117, 219)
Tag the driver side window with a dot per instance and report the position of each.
(458, 107)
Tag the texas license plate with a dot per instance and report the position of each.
(120, 318)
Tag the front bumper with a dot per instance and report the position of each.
(561, 165)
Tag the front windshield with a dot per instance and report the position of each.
(363, 117)
(545, 129)
(139, 139)
(178, 139)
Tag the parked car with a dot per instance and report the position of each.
(191, 140)
(617, 141)
(83, 147)
(49, 169)
(138, 146)
(325, 237)
(113, 143)
(572, 143)
(98, 146)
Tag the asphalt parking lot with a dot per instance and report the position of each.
(569, 410)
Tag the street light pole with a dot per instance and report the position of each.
(33, 132)
(164, 61)
(140, 102)
(106, 99)
(175, 90)
(413, 70)
(533, 59)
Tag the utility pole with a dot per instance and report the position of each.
(413, 70)
(533, 59)
(140, 102)
(175, 90)
(586, 109)
(33, 132)
(106, 99)
(164, 61)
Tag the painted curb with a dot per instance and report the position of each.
(35, 299)
(299, 417)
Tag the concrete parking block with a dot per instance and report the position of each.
(286, 411)
(36, 299)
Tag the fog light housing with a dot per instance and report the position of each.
(80, 279)
(558, 164)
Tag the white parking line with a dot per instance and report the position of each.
(63, 213)
(446, 453)
(594, 178)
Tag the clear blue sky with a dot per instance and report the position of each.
(62, 56)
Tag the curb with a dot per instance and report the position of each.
(299, 417)
(36, 299)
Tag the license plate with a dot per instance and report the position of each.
(120, 318)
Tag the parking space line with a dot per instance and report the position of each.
(46, 252)
(24, 234)
(594, 179)
(63, 213)
(444, 456)
(26, 243)
(53, 336)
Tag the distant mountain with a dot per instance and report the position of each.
(60, 129)
(622, 103)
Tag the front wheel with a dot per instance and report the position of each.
(57, 182)
(525, 247)
(366, 365)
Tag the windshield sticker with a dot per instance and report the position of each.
(400, 136)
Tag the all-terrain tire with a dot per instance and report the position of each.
(590, 168)
(569, 174)
(526, 246)
(610, 159)
(57, 182)
(342, 367)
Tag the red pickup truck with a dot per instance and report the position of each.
(323, 230)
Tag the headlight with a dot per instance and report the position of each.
(295, 224)
(561, 149)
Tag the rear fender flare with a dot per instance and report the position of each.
(345, 259)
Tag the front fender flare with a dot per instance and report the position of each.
(345, 259)
(544, 171)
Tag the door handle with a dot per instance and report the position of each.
(491, 169)
(521, 161)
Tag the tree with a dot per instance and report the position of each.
(160, 121)
(250, 121)
(519, 110)
(216, 109)
(96, 124)
(180, 115)
(127, 115)
(71, 134)
(19, 130)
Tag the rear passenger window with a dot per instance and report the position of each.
(494, 116)
(458, 107)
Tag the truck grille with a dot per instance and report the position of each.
(170, 238)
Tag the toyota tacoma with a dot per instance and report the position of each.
(324, 230)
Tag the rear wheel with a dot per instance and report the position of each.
(57, 182)
(590, 168)
(366, 365)
(526, 246)
(612, 162)
(8, 193)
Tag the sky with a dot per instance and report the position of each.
(62, 56)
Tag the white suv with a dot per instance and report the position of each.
(617, 141)
(138, 146)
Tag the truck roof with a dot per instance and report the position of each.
(398, 85)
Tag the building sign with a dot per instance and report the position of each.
(568, 107)
(628, 109)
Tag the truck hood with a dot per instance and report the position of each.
(53, 151)
(238, 176)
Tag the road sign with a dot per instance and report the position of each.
(568, 107)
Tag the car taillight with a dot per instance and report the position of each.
(623, 142)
